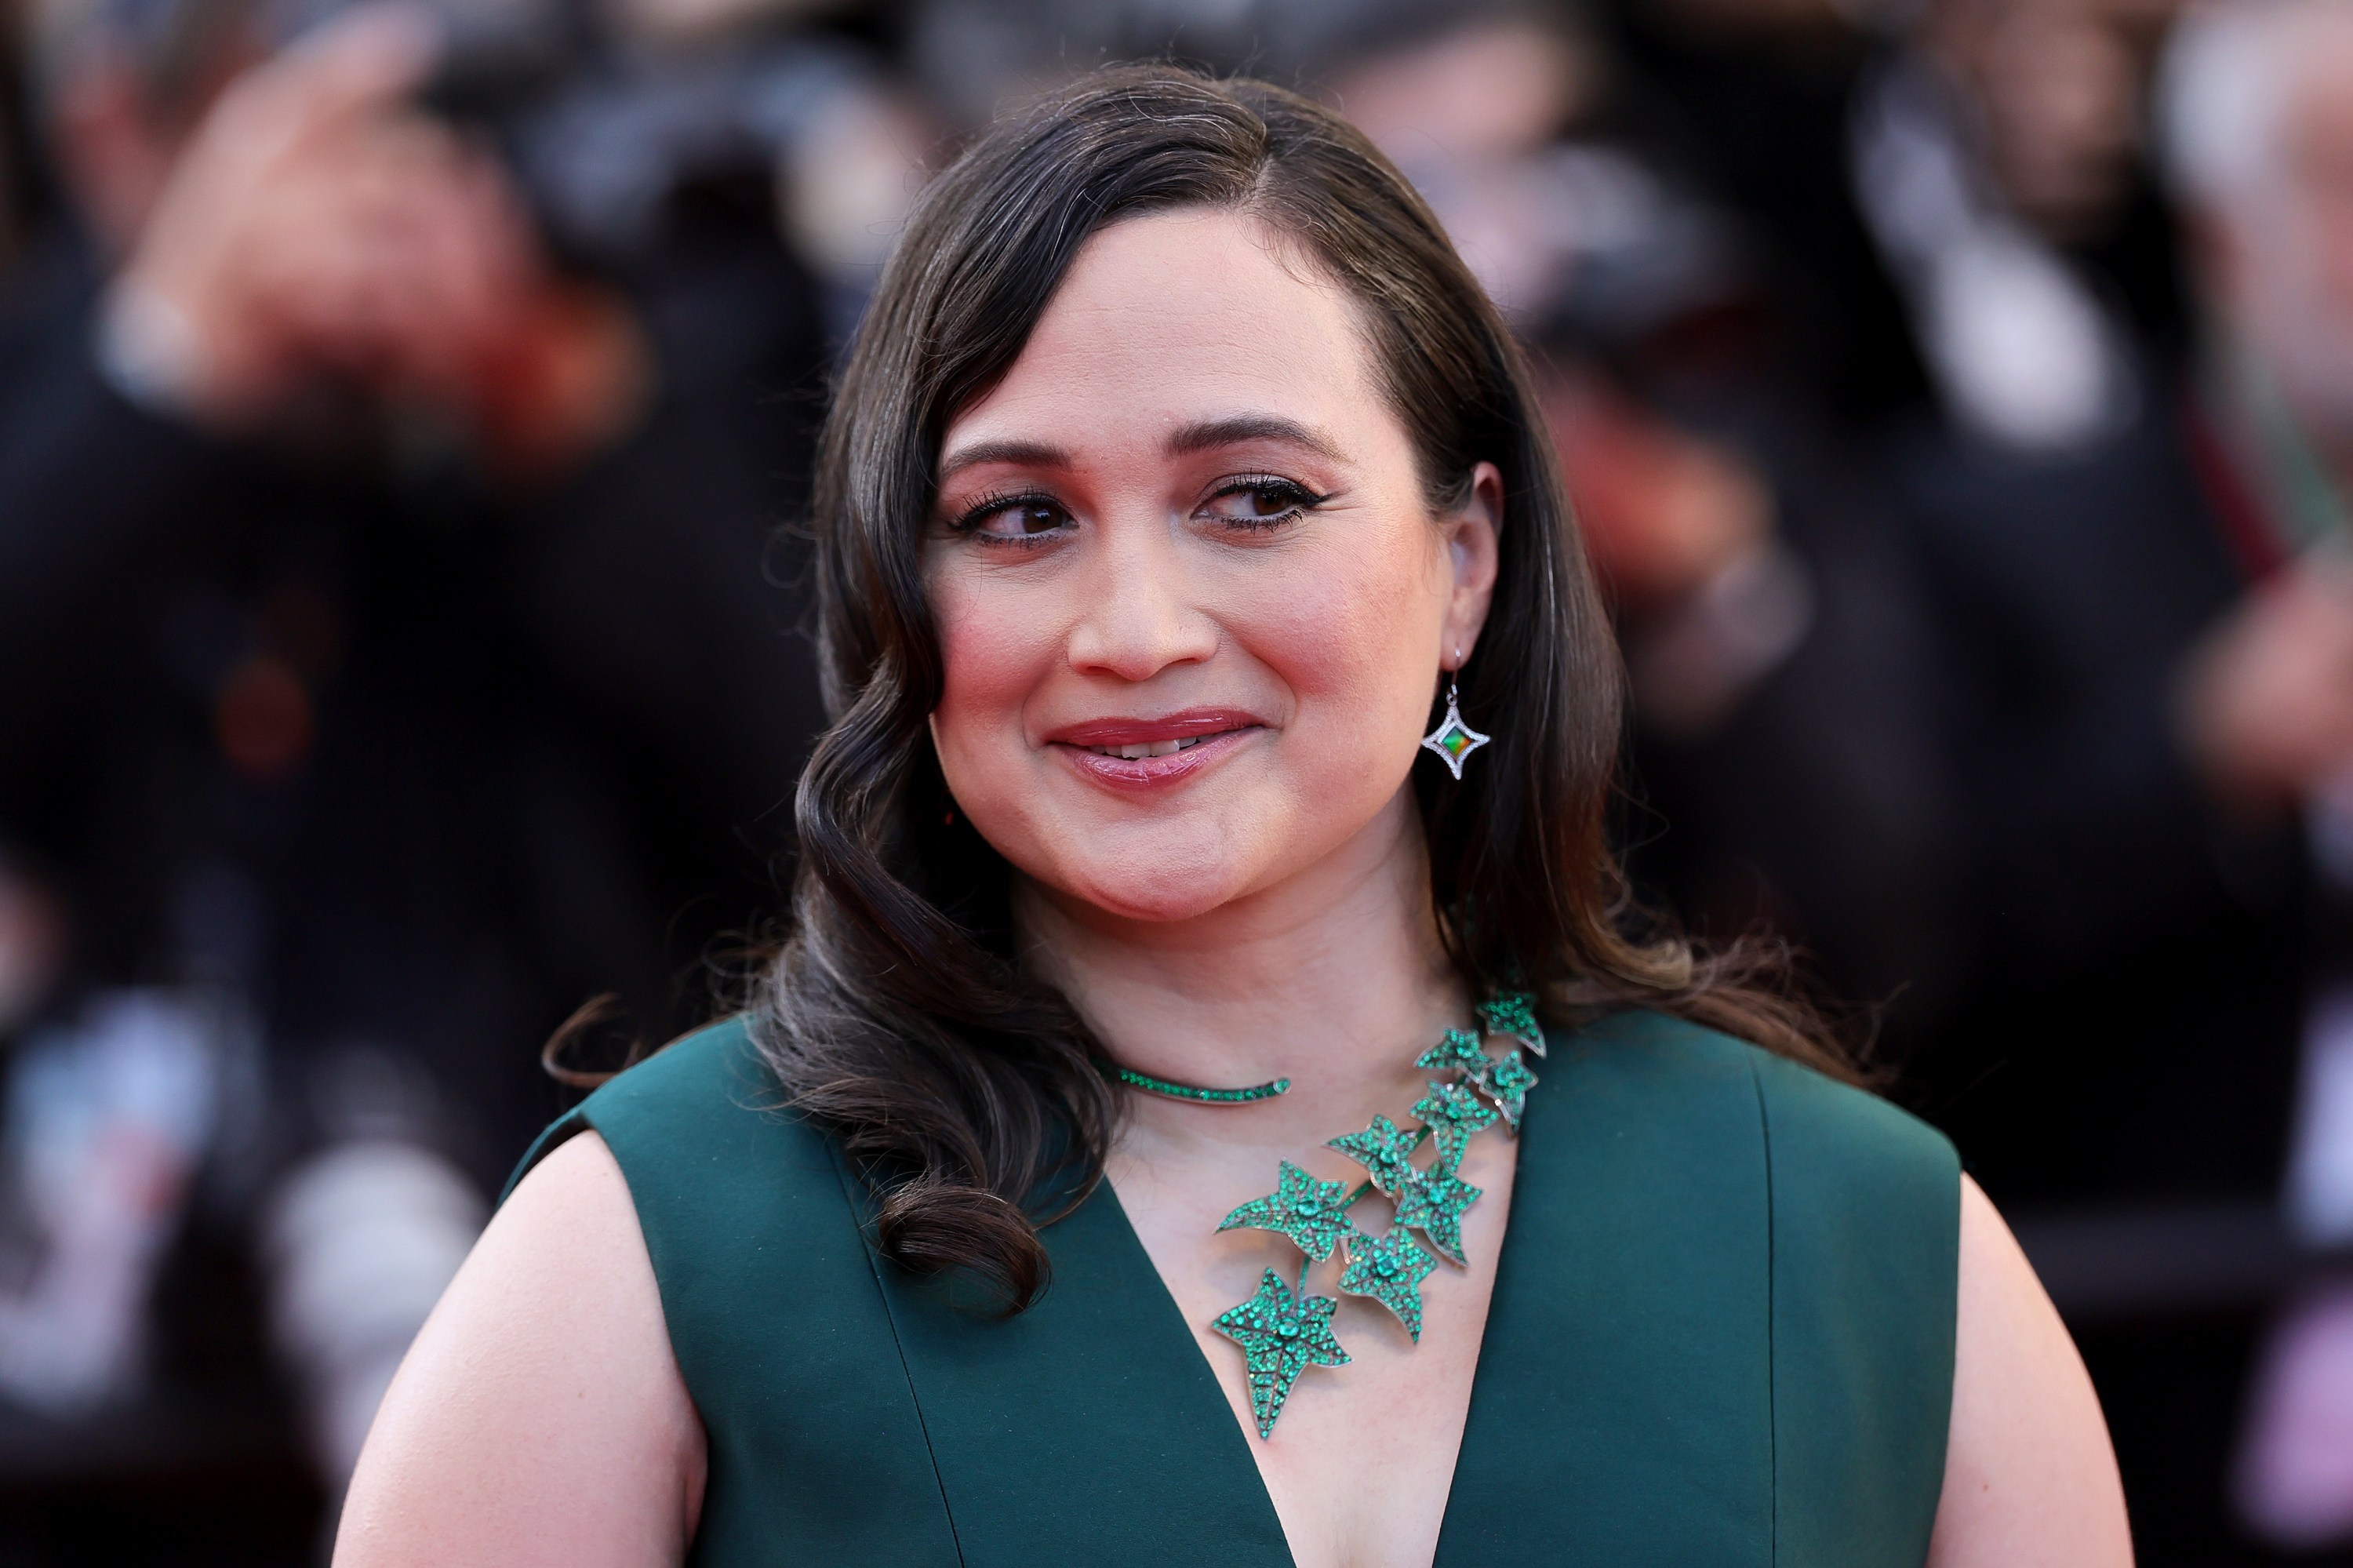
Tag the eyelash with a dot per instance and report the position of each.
(969, 520)
(1300, 498)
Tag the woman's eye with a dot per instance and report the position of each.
(1023, 517)
(1259, 503)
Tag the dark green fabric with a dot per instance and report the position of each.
(1722, 1333)
(817, 1449)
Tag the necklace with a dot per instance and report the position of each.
(1192, 1096)
(1282, 1332)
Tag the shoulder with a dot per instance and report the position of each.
(714, 1075)
(1856, 1207)
(739, 1201)
(2030, 1476)
(705, 1108)
(712, 1157)
(1863, 1199)
(457, 1457)
(1816, 1130)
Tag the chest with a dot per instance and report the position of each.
(1597, 1390)
(1691, 1349)
(1359, 1467)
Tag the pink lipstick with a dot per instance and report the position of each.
(1133, 753)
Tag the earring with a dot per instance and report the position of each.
(1453, 740)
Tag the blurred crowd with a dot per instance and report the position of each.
(404, 414)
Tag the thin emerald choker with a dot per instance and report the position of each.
(1188, 1093)
(1282, 1332)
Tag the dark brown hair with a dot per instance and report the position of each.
(966, 1092)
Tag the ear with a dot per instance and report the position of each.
(1473, 543)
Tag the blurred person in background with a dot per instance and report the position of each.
(1752, 101)
(1949, 192)
(396, 637)
(1786, 774)
(2078, 546)
(2258, 121)
(1996, 151)
(1939, 548)
(2142, 680)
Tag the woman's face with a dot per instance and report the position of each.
(1191, 599)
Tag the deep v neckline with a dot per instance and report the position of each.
(1093, 1424)
(1620, 1405)
(1239, 1434)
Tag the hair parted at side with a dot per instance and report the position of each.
(967, 1092)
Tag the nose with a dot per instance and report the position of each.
(1139, 616)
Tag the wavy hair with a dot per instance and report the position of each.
(967, 1092)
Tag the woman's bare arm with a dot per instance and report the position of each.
(2029, 1478)
(540, 1418)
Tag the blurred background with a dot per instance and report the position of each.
(401, 413)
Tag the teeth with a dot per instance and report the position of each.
(1142, 749)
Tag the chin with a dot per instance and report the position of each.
(1156, 876)
(1153, 901)
(1160, 895)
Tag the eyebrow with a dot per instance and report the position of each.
(1032, 454)
(1240, 427)
(1204, 436)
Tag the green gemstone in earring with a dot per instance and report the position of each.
(1453, 740)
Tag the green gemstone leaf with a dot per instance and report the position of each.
(1512, 1015)
(1280, 1335)
(1505, 1081)
(1389, 1269)
(1283, 1332)
(1507, 1084)
(1435, 1205)
(1312, 1213)
(1453, 1115)
(1457, 1053)
(1383, 1150)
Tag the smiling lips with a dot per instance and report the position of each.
(1130, 753)
(1140, 749)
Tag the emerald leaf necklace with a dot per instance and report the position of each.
(1283, 1332)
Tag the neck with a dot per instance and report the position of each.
(1334, 978)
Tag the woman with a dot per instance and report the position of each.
(1152, 971)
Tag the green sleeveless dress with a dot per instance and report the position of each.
(1721, 1334)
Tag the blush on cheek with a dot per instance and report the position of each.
(1359, 633)
(991, 662)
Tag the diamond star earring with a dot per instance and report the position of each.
(1453, 740)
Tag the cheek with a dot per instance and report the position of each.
(1355, 635)
(993, 657)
